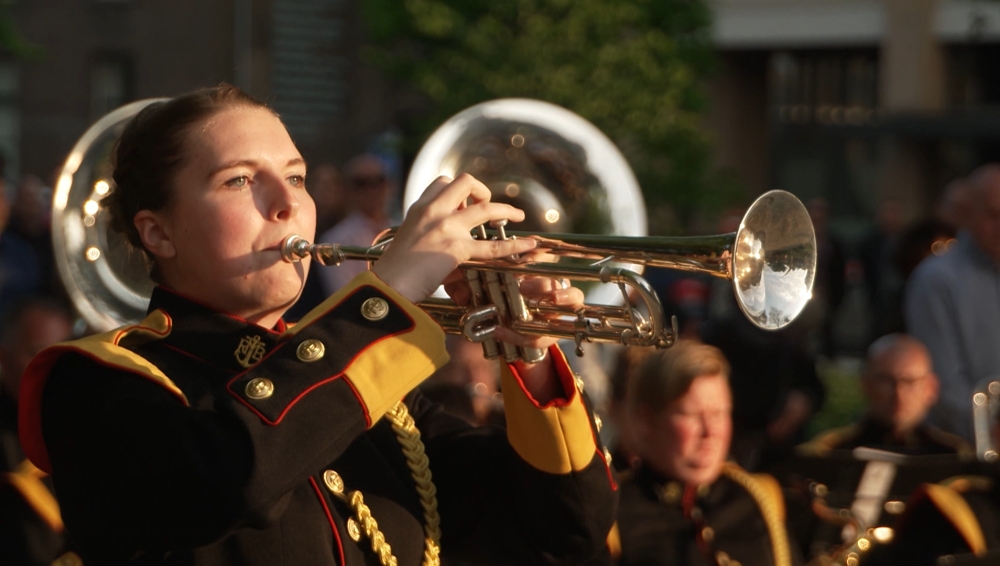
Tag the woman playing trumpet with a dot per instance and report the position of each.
(212, 433)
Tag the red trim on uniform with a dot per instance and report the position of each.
(30, 399)
(196, 358)
(566, 379)
(329, 517)
(126, 330)
(364, 408)
(217, 311)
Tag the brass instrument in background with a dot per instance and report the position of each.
(985, 407)
(565, 174)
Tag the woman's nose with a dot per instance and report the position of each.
(283, 200)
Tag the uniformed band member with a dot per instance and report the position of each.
(31, 528)
(211, 433)
(956, 517)
(685, 505)
(900, 385)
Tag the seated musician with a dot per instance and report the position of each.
(684, 504)
(899, 383)
(958, 516)
(212, 433)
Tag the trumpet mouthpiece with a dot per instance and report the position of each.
(294, 248)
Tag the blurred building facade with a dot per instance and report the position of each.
(87, 57)
(856, 101)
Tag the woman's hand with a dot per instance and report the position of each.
(540, 378)
(435, 238)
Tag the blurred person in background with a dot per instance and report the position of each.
(368, 193)
(952, 305)
(468, 386)
(815, 324)
(900, 387)
(23, 269)
(684, 504)
(618, 428)
(326, 187)
(31, 530)
(958, 518)
(883, 282)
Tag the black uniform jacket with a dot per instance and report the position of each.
(958, 516)
(923, 440)
(198, 438)
(739, 517)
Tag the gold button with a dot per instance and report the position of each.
(579, 383)
(310, 350)
(607, 456)
(707, 534)
(260, 388)
(333, 481)
(722, 558)
(703, 490)
(671, 493)
(353, 530)
(598, 422)
(375, 308)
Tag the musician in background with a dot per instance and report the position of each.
(953, 307)
(212, 433)
(958, 516)
(901, 387)
(368, 193)
(31, 528)
(685, 504)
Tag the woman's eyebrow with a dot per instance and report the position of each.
(251, 163)
(242, 162)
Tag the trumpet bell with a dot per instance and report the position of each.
(774, 260)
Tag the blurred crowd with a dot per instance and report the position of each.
(710, 436)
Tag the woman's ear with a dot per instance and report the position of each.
(154, 234)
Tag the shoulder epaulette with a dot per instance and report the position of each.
(766, 492)
(962, 448)
(829, 440)
(27, 480)
(951, 504)
(107, 349)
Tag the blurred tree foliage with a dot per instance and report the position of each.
(635, 68)
(11, 41)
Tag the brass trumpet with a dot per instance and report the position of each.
(771, 261)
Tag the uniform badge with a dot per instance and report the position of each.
(250, 351)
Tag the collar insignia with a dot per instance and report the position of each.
(250, 351)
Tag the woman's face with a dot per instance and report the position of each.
(689, 439)
(239, 192)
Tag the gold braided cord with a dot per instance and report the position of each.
(408, 436)
(768, 510)
(370, 527)
(416, 459)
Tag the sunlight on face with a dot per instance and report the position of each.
(689, 439)
(240, 192)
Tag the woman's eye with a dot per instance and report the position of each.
(297, 180)
(237, 182)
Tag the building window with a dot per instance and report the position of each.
(824, 87)
(110, 84)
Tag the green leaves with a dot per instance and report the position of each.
(635, 68)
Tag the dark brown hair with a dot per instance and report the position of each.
(152, 149)
(666, 375)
